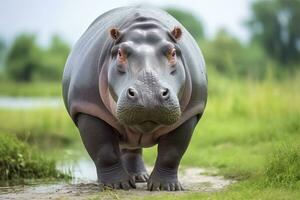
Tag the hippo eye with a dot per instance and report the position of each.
(122, 61)
(173, 53)
(119, 53)
(122, 58)
(172, 56)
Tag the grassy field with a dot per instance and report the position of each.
(250, 132)
(32, 89)
(46, 128)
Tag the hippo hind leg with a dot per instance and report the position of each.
(133, 162)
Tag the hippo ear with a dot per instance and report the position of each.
(176, 33)
(114, 33)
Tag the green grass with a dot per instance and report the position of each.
(283, 167)
(19, 161)
(47, 128)
(45, 89)
(236, 192)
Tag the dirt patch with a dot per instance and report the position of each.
(192, 179)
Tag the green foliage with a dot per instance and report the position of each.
(23, 58)
(2, 52)
(275, 25)
(2, 46)
(19, 161)
(189, 21)
(54, 59)
(229, 57)
(27, 61)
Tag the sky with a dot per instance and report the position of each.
(70, 18)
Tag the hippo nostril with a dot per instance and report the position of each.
(131, 93)
(165, 93)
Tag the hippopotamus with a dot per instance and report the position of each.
(134, 79)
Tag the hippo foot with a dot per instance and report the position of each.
(134, 165)
(163, 182)
(140, 177)
(115, 178)
(125, 185)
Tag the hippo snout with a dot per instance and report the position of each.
(163, 94)
(146, 107)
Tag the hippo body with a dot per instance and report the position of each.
(123, 94)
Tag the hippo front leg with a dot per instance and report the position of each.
(171, 148)
(102, 144)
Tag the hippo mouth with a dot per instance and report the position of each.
(140, 116)
(148, 123)
(148, 120)
(146, 126)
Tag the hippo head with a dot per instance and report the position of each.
(146, 76)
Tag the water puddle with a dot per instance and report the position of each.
(82, 170)
(29, 102)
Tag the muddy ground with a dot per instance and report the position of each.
(192, 179)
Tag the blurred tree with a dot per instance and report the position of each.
(23, 58)
(26, 61)
(227, 55)
(54, 59)
(2, 51)
(275, 24)
(189, 21)
(222, 51)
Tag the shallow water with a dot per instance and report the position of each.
(82, 170)
(29, 102)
